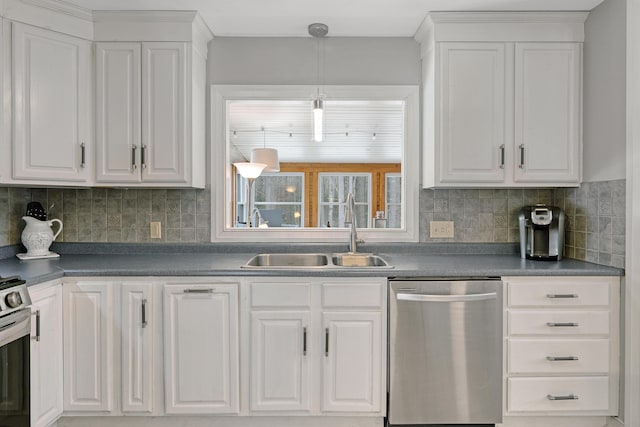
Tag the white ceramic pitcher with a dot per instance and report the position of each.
(38, 235)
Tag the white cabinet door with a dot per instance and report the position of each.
(118, 109)
(165, 133)
(137, 344)
(88, 346)
(472, 112)
(46, 354)
(280, 353)
(51, 106)
(201, 348)
(548, 113)
(352, 368)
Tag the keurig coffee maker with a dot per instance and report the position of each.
(541, 232)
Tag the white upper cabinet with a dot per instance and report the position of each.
(150, 100)
(118, 100)
(502, 99)
(472, 119)
(548, 112)
(51, 107)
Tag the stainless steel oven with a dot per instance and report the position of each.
(15, 329)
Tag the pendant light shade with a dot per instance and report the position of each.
(250, 170)
(268, 156)
(318, 112)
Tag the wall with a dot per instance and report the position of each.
(294, 60)
(605, 92)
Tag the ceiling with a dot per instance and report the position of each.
(352, 18)
(349, 128)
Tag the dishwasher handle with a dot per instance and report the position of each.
(446, 298)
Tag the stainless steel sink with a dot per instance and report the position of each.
(358, 260)
(288, 261)
(316, 261)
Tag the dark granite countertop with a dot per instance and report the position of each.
(408, 260)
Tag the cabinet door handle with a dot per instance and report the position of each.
(134, 166)
(561, 324)
(143, 156)
(502, 156)
(37, 314)
(561, 358)
(143, 313)
(304, 341)
(521, 147)
(326, 342)
(82, 154)
(198, 291)
(567, 397)
(552, 296)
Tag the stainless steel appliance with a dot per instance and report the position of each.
(541, 232)
(15, 329)
(445, 352)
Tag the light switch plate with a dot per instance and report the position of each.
(155, 230)
(441, 229)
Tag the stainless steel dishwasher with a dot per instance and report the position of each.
(445, 352)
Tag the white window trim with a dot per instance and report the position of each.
(221, 175)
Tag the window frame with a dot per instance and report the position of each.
(220, 165)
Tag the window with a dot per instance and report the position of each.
(333, 190)
(393, 200)
(280, 198)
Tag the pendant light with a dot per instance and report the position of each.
(267, 156)
(318, 31)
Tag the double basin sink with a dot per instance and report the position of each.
(317, 261)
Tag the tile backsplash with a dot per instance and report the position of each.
(596, 221)
(111, 215)
(595, 214)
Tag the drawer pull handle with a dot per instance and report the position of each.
(561, 358)
(567, 397)
(198, 291)
(561, 324)
(562, 296)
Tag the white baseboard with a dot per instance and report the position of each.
(554, 422)
(220, 421)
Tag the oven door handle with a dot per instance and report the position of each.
(15, 325)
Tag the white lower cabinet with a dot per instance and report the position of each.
(280, 361)
(201, 347)
(109, 328)
(46, 353)
(316, 346)
(137, 358)
(562, 346)
(352, 374)
(88, 346)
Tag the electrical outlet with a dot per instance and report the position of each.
(441, 229)
(155, 230)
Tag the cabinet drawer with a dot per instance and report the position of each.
(340, 295)
(532, 394)
(533, 356)
(269, 294)
(556, 322)
(559, 293)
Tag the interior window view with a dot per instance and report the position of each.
(362, 213)
(308, 183)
